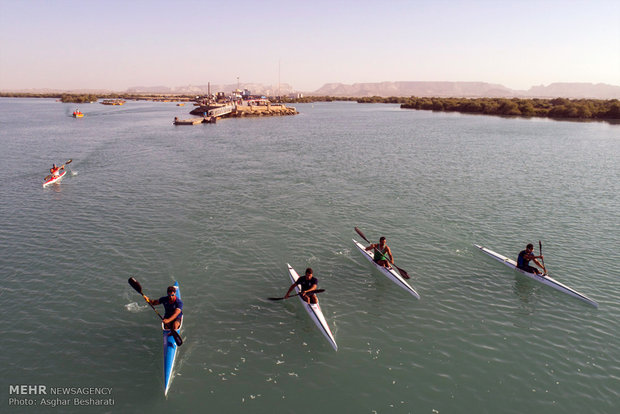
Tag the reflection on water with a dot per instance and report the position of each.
(525, 290)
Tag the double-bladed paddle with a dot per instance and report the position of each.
(401, 271)
(63, 166)
(136, 285)
(297, 294)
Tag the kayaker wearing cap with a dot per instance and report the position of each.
(308, 283)
(383, 254)
(172, 305)
(524, 258)
(55, 171)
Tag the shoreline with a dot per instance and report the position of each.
(580, 110)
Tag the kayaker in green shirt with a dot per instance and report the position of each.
(383, 254)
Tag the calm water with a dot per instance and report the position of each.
(222, 208)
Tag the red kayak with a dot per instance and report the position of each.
(56, 179)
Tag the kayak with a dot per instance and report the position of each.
(53, 180)
(390, 273)
(545, 279)
(314, 310)
(170, 348)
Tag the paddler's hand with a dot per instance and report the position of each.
(146, 298)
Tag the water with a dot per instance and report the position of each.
(222, 208)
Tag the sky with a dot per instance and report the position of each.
(115, 45)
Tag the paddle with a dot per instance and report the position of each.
(541, 259)
(297, 294)
(402, 271)
(136, 285)
(63, 166)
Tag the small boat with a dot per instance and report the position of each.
(314, 310)
(390, 273)
(56, 179)
(78, 114)
(545, 279)
(170, 348)
(112, 102)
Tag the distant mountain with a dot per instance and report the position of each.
(384, 89)
(467, 90)
(575, 90)
(60, 91)
(254, 88)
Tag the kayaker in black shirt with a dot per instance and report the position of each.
(523, 260)
(172, 305)
(307, 283)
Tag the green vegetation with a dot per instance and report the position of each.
(558, 108)
(70, 98)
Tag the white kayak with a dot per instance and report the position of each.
(314, 310)
(391, 273)
(539, 278)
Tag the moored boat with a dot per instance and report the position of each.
(314, 310)
(53, 179)
(112, 102)
(545, 279)
(390, 273)
(170, 349)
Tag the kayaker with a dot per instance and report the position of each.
(172, 305)
(523, 260)
(308, 283)
(383, 254)
(55, 171)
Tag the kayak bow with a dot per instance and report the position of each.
(390, 273)
(539, 278)
(170, 348)
(314, 310)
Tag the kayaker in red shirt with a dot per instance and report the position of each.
(55, 171)
(173, 306)
(383, 254)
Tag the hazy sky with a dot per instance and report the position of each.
(111, 44)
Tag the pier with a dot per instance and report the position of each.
(211, 111)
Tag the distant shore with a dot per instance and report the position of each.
(558, 108)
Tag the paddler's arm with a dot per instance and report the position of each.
(176, 313)
(313, 287)
(290, 289)
(537, 263)
(152, 302)
(372, 246)
(389, 253)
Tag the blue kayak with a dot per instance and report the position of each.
(170, 349)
